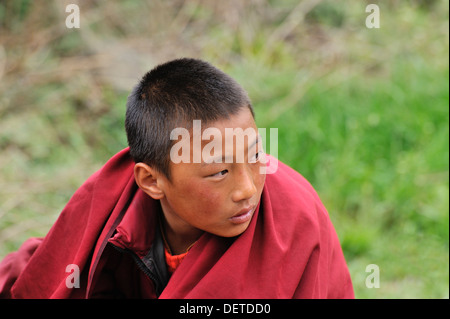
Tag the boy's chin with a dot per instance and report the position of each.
(233, 230)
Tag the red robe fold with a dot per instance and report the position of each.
(289, 250)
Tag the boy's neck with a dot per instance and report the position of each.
(179, 235)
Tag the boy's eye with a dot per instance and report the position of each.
(220, 174)
(255, 157)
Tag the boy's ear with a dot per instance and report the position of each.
(147, 179)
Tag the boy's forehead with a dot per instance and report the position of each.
(242, 119)
(223, 140)
(231, 130)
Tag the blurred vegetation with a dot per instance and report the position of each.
(362, 113)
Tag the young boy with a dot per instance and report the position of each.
(211, 225)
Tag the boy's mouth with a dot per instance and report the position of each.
(243, 216)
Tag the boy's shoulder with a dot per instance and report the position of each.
(292, 197)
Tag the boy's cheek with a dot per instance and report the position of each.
(201, 192)
(261, 178)
(210, 197)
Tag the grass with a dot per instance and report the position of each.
(361, 113)
(376, 154)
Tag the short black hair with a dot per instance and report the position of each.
(172, 95)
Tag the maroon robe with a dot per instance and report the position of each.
(289, 250)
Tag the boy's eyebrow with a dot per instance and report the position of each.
(224, 158)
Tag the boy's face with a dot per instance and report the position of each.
(219, 198)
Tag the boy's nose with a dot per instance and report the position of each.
(245, 187)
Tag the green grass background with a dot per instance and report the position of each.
(362, 113)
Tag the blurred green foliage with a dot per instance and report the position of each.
(362, 113)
